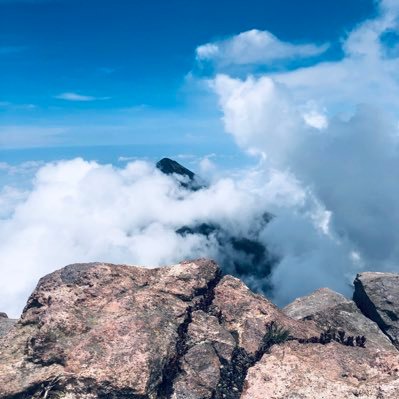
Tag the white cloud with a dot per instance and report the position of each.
(255, 47)
(70, 96)
(334, 127)
(254, 106)
(206, 51)
(79, 211)
(315, 119)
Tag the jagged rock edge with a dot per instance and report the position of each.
(367, 307)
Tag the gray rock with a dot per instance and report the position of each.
(328, 309)
(5, 324)
(377, 295)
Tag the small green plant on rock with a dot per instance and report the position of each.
(274, 335)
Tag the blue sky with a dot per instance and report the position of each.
(123, 73)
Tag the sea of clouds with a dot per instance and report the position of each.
(326, 137)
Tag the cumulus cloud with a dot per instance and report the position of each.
(255, 47)
(334, 127)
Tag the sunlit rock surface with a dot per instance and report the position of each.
(184, 332)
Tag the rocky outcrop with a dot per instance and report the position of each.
(332, 371)
(328, 309)
(5, 323)
(99, 330)
(377, 295)
(183, 332)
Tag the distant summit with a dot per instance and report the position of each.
(169, 166)
(186, 177)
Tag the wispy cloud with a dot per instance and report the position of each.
(12, 106)
(255, 47)
(70, 96)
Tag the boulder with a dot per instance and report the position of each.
(328, 309)
(101, 330)
(377, 295)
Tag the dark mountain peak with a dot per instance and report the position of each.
(186, 177)
(169, 167)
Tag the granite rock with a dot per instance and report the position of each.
(377, 295)
(329, 309)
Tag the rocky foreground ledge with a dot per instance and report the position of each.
(184, 332)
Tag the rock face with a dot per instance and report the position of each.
(294, 371)
(5, 323)
(328, 309)
(98, 330)
(183, 332)
(377, 295)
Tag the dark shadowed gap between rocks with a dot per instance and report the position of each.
(172, 369)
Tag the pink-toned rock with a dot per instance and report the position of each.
(99, 331)
(91, 330)
(328, 309)
(333, 371)
(246, 314)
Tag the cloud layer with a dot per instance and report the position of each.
(334, 127)
(78, 211)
